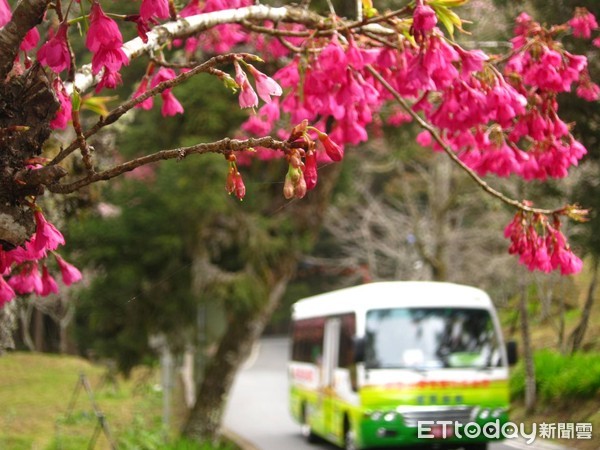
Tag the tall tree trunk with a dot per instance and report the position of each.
(530, 388)
(8, 324)
(25, 314)
(243, 330)
(270, 272)
(38, 330)
(576, 338)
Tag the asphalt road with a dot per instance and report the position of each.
(258, 405)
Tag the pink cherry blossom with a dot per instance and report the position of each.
(171, 105)
(28, 280)
(104, 40)
(265, 85)
(55, 53)
(544, 251)
(46, 237)
(103, 32)
(110, 58)
(143, 87)
(31, 40)
(588, 90)
(70, 273)
(64, 112)
(49, 285)
(6, 291)
(248, 97)
(5, 12)
(424, 18)
(583, 23)
(109, 80)
(154, 9)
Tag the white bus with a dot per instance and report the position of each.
(395, 364)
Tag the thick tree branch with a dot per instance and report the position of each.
(188, 26)
(26, 15)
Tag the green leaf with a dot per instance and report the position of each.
(97, 104)
(449, 18)
(447, 3)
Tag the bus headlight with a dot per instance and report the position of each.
(390, 416)
(484, 413)
(376, 415)
(496, 413)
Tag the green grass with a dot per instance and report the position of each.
(35, 395)
(561, 378)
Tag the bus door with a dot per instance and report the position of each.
(327, 389)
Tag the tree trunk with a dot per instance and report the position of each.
(576, 338)
(530, 388)
(243, 330)
(25, 313)
(38, 330)
(8, 324)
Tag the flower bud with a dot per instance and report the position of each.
(288, 187)
(230, 183)
(295, 160)
(310, 170)
(294, 173)
(240, 187)
(333, 150)
(300, 188)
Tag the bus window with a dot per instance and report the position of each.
(307, 338)
(428, 338)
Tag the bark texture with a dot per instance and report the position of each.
(27, 105)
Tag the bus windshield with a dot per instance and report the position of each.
(431, 338)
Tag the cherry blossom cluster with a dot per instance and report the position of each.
(301, 155)
(505, 123)
(170, 105)
(25, 269)
(540, 244)
(235, 183)
(302, 160)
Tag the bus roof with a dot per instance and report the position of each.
(390, 294)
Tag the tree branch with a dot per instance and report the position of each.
(223, 146)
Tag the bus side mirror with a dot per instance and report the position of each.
(512, 353)
(359, 349)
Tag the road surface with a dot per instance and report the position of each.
(258, 405)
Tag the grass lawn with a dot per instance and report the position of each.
(36, 391)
